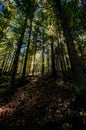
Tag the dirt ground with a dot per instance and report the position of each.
(43, 104)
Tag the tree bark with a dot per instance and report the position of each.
(6, 63)
(74, 59)
(53, 60)
(15, 62)
(27, 51)
(43, 49)
(34, 57)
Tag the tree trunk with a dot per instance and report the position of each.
(10, 67)
(34, 58)
(48, 61)
(27, 51)
(43, 49)
(6, 63)
(4, 60)
(74, 59)
(53, 60)
(15, 62)
(29, 65)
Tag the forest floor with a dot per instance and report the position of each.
(43, 104)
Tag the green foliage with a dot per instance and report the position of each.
(26, 6)
(44, 18)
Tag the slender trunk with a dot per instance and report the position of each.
(11, 64)
(74, 59)
(60, 54)
(6, 63)
(53, 60)
(21, 67)
(29, 65)
(15, 62)
(81, 52)
(3, 61)
(43, 49)
(48, 62)
(62, 58)
(34, 60)
(27, 51)
(62, 67)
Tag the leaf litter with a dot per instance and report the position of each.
(44, 103)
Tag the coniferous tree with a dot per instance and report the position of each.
(74, 59)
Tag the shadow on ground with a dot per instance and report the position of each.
(42, 104)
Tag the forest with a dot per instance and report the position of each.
(42, 64)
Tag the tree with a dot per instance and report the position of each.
(27, 50)
(43, 50)
(25, 7)
(53, 69)
(74, 59)
(15, 62)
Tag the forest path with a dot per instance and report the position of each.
(44, 103)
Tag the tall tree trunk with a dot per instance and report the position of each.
(53, 60)
(3, 62)
(34, 57)
(15, 62)
(6, 69)
(62, 58)
(74, 59)
(35, 49)
(27, 51)
(48, 61)
(6, 63)
(61, 54)
(34, 61)
(10, 67)
(43, 49)
(29, 65)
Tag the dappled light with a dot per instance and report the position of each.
(42, 65)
